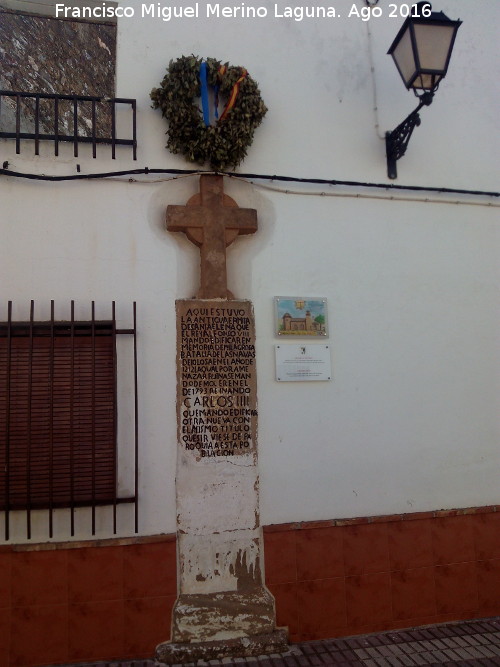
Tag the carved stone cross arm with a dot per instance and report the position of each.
(212, 220)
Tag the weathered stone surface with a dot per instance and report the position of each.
(217, 478)
(212, 221)
(221, 589)
(225, 615)
(40, 54)
(266, 644)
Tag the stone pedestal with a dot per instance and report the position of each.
(223, 606)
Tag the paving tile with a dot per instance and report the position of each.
(453, 642)
(438, 643)
(491, 637)
(419, 659)
(434, 646)
(406, 660)
(389, 651)
(366, 654)
(451, 654)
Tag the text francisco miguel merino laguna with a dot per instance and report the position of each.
(196, 10)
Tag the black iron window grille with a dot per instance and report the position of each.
(76, 119)
(58, 417)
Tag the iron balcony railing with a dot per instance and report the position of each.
(77, 119)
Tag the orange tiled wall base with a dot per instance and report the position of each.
(340, 578)
(108, 600)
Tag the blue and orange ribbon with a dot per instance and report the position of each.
(205, 97)
(234, 92)
(204, 93)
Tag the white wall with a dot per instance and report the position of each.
(410, 420)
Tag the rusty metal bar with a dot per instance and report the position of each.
(94, 144)
(71, 423)
(136, 429)
(73, 137)
(113, 128)
(51, 96)
(7, 421)
(115, 419)
(134, 128)
(75, 126)
(29, 443)
(67, 138)
(56, 126)
(37, 125)
(18, 124)
(93, 418)
(51, 422)
(64, 504)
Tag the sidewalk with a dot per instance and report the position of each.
(453, 644)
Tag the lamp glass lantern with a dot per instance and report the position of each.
(422, 48)
(422, 51)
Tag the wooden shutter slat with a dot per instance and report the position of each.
(84, 417)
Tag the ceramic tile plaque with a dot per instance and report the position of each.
(300, 316)
(303, 363)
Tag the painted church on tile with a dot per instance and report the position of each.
(375, 501)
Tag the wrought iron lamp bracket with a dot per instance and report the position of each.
(396, 142)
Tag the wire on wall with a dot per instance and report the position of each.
(389, 187)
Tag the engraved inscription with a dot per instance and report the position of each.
(216, 354)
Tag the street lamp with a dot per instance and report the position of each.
(421, 51)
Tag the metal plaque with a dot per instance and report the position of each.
(303, 363)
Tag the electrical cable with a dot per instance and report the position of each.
(386, 197)
(266, 177)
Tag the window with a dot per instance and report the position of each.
(57, 78)
(58, 393)
(58, 414)
(42, 54)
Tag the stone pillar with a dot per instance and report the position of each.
(223, 607)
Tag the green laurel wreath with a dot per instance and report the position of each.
(224, 144)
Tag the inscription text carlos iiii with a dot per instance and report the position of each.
(217, 359)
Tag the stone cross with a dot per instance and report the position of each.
(212, 221)
(223, 607)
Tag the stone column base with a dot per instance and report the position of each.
(170, 653)
(225, 615)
